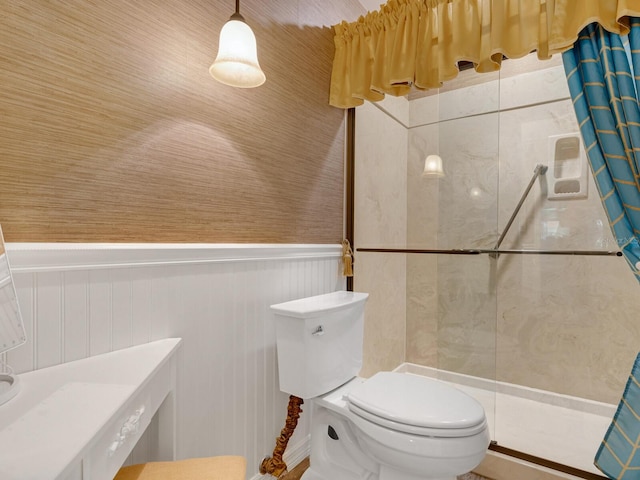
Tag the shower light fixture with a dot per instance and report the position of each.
(237, 61)
(433, 166)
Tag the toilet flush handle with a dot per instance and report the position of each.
(318, 331)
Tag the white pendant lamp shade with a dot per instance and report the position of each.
(433, 166)
(237, 60)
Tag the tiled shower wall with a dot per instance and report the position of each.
(566, 324)
(85, 300)
(380, 221)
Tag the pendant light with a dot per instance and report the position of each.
(433, 166)
(237, 60)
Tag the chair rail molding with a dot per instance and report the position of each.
(42, 257)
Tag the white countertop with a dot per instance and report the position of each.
(72, 417)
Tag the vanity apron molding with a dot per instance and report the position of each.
(80, 420)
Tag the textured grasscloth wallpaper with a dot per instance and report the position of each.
(112, 130)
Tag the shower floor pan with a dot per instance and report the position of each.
(558, 428)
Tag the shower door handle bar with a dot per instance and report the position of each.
(455, 251)
(602, 253)
(539, 170)
(495, 251)
(492, 251)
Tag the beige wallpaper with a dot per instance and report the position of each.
(111, 128)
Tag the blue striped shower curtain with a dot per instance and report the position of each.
(600, 71)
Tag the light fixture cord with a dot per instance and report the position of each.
(236, 15)
(275, 465)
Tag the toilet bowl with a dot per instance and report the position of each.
(419, 427)
(392, 426)
(437, 441)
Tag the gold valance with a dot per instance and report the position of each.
(420, 42)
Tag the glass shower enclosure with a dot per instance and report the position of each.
(501, 276)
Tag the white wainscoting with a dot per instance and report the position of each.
(82, 300)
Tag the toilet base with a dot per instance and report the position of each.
(342, 448)
(337, 453)
(393, 474)
(311, 474)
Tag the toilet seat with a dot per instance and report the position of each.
(415, 430)
(416, 405)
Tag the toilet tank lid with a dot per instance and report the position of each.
(416, 400)
(315, 306)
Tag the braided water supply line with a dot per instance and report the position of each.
(274, 465)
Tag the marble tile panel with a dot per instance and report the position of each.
(396, 107)
(422, 192)
(527, 64)
(567, 323)
(422, 309)
(422, 230)
(561, 324)
(424, 111)
(466, 315)
(468, 192)
(469, 101)
(573, 223)
(541, 86)
(383, 277)
(380, 179)
(468, 78)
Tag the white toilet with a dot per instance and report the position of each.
(392, 426)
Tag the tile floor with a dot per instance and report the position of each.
(297, 472)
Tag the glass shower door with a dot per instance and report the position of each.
(451, 298)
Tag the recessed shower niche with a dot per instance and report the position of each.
(568, 173)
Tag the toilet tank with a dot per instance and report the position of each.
(319, 342)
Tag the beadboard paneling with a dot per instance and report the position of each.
(228, 397)
(112, 129)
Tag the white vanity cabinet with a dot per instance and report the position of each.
(80, 420)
